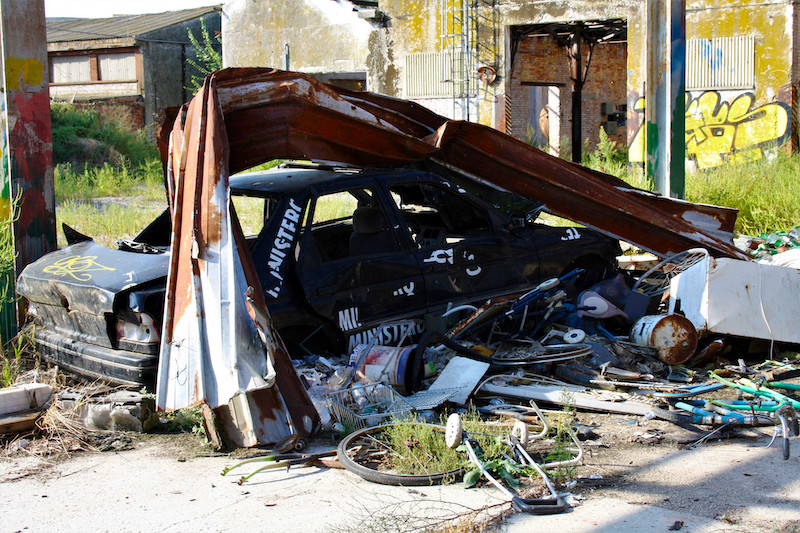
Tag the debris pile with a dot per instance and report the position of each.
(635, 344)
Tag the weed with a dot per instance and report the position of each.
(562, 441)
(419, 448)
(188, 420)
(8, 255)
(609, 157)
(16, 356)
(766, 192)
(207, 55)
(106, 222)
(70, 124)
(144, 181)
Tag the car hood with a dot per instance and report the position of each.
(86, 276)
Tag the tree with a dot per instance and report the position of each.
(207, 58)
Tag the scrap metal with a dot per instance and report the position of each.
(211, 350)
(271, 114)
(215, 347)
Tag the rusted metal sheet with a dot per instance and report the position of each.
(211, 350)
(274, 114)
(243, 117)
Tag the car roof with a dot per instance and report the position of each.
(291, 177)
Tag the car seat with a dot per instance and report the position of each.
(370, 235)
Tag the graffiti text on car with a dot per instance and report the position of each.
(348, 319)
(440, 256)
(283, 241)
(472, 271)
(387, 335)
(405, 290)
(572, 234)
(77, 267)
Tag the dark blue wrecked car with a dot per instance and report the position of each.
(339, 251)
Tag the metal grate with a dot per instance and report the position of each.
(720, 63)
(425, 76)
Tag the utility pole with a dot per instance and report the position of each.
(665, 100)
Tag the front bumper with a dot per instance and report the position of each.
(98, 362)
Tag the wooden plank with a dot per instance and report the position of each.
(19, 422)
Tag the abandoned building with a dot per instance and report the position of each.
(131, 64)
(512, 64)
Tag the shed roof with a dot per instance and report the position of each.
(73, 29)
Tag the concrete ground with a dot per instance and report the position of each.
(636, 483)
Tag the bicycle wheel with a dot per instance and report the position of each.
(360, 447)
(655, 281)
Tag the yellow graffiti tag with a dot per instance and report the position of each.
(28, 70)
(77, 267)
(719, 131)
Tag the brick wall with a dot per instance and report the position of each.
(541, 61)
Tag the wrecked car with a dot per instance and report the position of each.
(338, 251)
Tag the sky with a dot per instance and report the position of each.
(107, 8)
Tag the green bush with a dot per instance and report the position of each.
(72, 124)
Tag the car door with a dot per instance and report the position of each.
(464, 252)
(353, 268)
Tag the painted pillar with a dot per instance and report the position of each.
(27, 147)
(665, 96)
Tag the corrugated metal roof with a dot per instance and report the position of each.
(61, 30)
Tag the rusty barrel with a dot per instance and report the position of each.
(674, 336)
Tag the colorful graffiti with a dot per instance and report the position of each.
(720, 131)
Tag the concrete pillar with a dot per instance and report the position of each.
(27, 146)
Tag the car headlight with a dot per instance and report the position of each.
(138, 328)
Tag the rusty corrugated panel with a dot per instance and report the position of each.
(211, 351)
(275, 114)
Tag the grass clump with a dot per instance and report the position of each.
(562, 450)
(766, 192)
(419, 448)
(144, 182)
(8, 297)
(71, 125)
(16, 356)
(106, 223)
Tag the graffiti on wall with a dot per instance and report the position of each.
(28, 71)
(720, 131)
